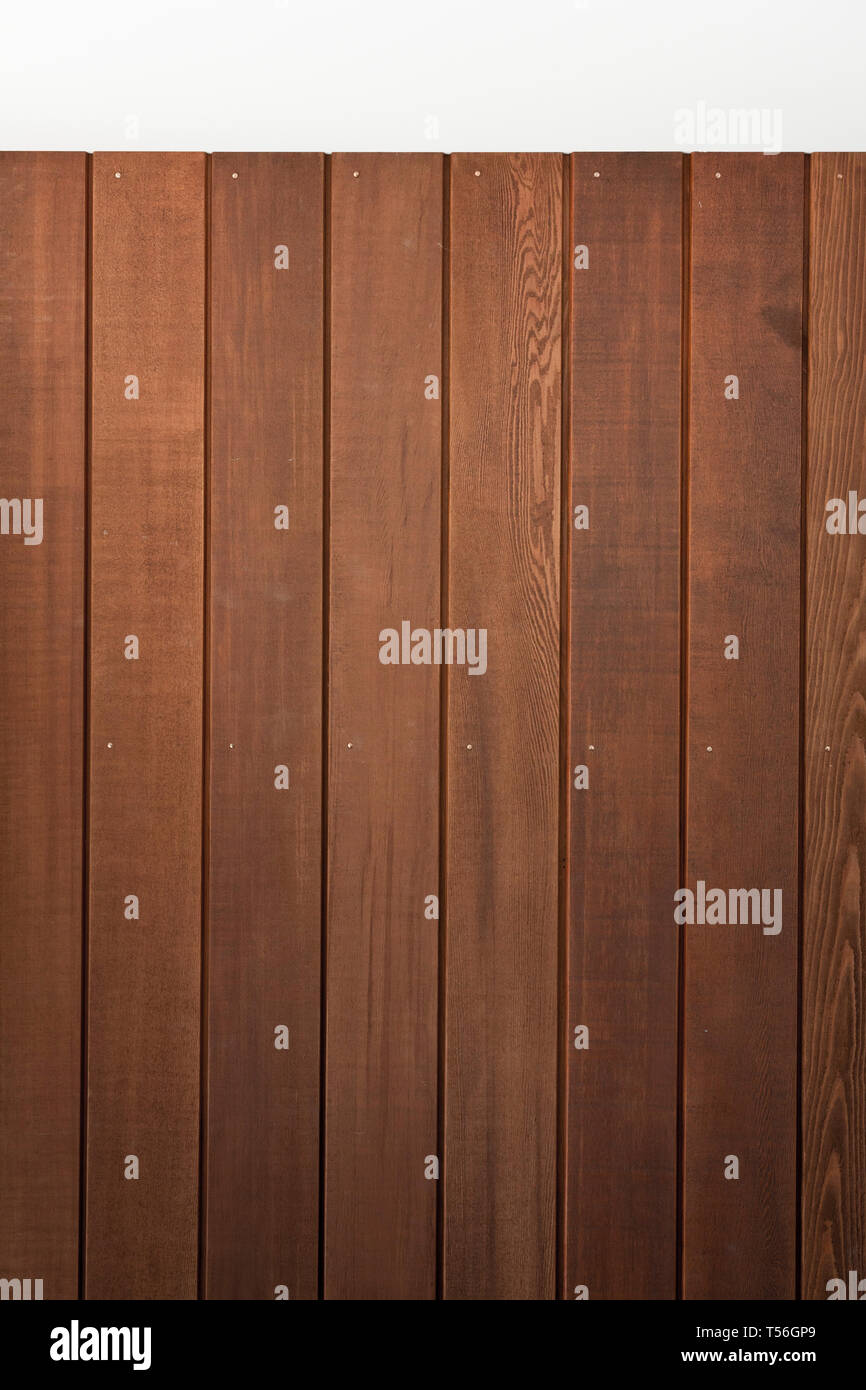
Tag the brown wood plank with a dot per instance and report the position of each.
(43, 198)
(146, 724)
(264, 902)
(740, 1020)
(834, 934)
(503, 727)
(383, 812)
(626, 331)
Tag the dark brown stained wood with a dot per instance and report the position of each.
(43, 206)
(503, 727)
(383, 799)
(327, 390)
(264, 936)
(626, 326)
(740, 1007)
(834, 936)
(146, 724)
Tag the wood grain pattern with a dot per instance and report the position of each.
(42, 456)
(399, 388)
(503, 727)
(383, 793)
(740, 1007)
(264, 907)
(620, 1227)
(834, 935)
(146, 724)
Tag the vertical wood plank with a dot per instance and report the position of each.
(626, 323)
(146, 724)
(834, 935)
(264, 902)
(383, 813)
(42, 458)
(740, 1020)
(503, 727)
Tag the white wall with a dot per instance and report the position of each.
(448, 74)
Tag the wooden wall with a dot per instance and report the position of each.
(328, 978)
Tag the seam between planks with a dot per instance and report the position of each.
(801, 817)
(85, 787)
(564, 736)
(326, 656)
(444, 499)
(204, 1029)
(685, 422)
